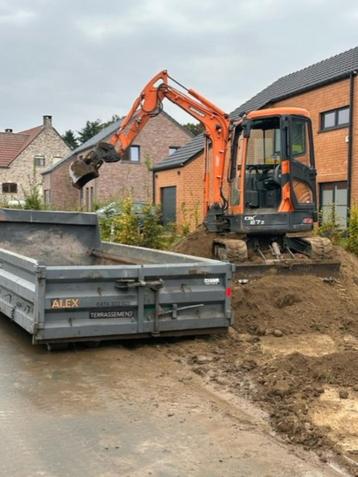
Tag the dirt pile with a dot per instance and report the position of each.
(298, 304)
(294, 351)
(197, 243)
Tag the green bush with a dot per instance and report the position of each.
(133, 226)
(152, 232)
(126, 227)
(352, 239)
(329, 227)
(32, 195)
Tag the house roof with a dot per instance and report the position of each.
(12, 144)
(182, 155)
(332, 69)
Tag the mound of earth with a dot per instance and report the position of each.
(198, 243)
(294, 351)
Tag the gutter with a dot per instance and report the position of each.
(350, 143)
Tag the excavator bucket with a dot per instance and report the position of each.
(83, 171)
(86, 169)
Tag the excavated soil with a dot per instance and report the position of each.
(293, 350)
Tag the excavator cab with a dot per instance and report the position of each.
(272, 177)
(272, 174)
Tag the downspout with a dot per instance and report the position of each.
(350, 143)
(153, 187)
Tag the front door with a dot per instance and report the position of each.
(168, 201)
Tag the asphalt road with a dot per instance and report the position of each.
(126, 410)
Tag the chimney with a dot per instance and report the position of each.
(8, 130)
(47, 121)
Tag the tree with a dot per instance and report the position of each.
(70, 139)
(91, 129)
(115, 118)
(194, 128)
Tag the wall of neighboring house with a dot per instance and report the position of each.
(120, 179)
(331, 151)
(189, 183)
(23, 172)
(134, 178)
(331, 144)
(58, 189)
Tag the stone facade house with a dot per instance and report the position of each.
(24, 155)
(329, 91)
(131, 176)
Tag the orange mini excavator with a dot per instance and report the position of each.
(259, 180)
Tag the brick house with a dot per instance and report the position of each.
(132, 176)
(328, 90)
(25, 154)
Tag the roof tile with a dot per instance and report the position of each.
(328, 70)
(12, 144)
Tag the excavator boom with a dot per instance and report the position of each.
(149, 104)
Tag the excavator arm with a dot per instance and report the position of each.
(149, 104)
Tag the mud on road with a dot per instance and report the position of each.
(129, 410)
(293, 351)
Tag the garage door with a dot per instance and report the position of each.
(169, 207)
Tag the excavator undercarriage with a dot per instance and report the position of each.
(286, 254)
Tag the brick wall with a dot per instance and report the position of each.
(58, 189)
(189, 181)
(331, 148)
(355, 146)
(121, 179)
(22, 170)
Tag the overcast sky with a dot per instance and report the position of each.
(80, 60)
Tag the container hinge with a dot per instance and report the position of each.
(13, 311)
(154, 285)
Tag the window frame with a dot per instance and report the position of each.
(128, 152)
(9, 191)
(304, 121)
(39, 157)
(334, 185)
(336, 124)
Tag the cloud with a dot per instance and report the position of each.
(82, 60)
(10, 16)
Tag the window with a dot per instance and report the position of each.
(132, 154)
(264, 144)
(39, 160)
(47, 196)
(88, 196)
(9, 188)
(172, 149)
(334, 200)
(298, 136)
(336, 118)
